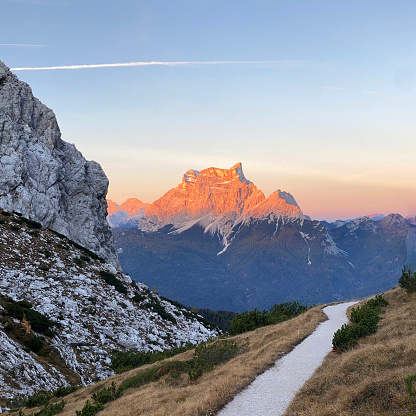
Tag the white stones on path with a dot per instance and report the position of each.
(272, 391)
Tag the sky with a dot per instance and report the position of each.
(317, 98)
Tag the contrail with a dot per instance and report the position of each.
(26, 45)
(153, 63)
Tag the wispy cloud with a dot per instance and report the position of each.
(178, 63)
(22, 45)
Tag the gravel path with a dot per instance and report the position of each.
(272, 391)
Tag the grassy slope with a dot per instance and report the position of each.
(213, 390)
(368, 380)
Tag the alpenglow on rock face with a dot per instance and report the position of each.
(45, 178)
(215, 198)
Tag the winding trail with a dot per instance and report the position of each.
(271, 392)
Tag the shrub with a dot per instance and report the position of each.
(48, 410)
(140, 379)
(410, 384)
(37, 399)
(35, 344)
(89, 409)
(79, 262)
(408, 281)
(138, 297)
(107, 394)
(248, 321)
(157, 307)
(207, 355)
(38, 322)
(126, 360)
(15, 311)
(24, 304)
(64, 391)
(15, 227)
(364, 320)
(112, 280)
(217, 352)
(33, 224)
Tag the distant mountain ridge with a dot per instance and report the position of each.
(215, 199)
(216, 241)
(126, 214)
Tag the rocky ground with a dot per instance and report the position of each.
(84, 310)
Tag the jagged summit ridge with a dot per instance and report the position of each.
(46, 178)
(219, 201)
(216, 199)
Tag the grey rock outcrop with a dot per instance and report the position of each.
(45, 178)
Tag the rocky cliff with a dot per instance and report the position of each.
(216, 199)
(45, 178)
(64, 312)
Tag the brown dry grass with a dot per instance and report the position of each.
(170, 397)
(368, 380)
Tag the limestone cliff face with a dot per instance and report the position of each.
(211, 190)
(45, 178)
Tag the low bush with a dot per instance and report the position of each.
(127, 360)
(33, 224)
(410, 384)
(217, 352)
(79, 262)
(101, 397)
(89, 409)
(249, 321)
(24, 304)
(38, 322)
(37, 399)
(364, 320)
(157, 307)
(138, 297)
(408, 280)
(35, 344)
(112, 280)
(107, 394)
(48, 410)
(64, 391)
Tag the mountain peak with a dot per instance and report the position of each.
(189, 177)
(227, 175)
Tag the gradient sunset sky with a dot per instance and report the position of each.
(317, 98)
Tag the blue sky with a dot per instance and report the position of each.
(328, 114)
